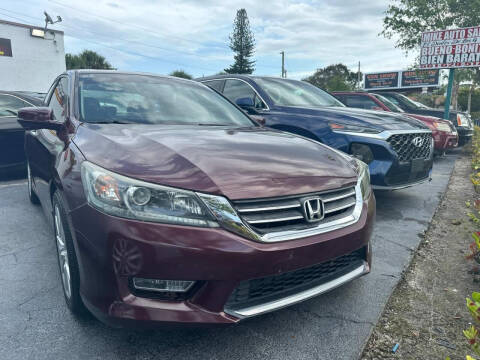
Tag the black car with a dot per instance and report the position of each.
(12, 154)
(461, 120)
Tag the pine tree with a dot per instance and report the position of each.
(242, 44)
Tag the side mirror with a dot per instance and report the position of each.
(245, 103)
(36, 118)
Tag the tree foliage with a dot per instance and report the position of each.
(242, 43)
(408, 19)
(87, 59)
(334, 78)
(181, 74)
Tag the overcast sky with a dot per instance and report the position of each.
(161, 36)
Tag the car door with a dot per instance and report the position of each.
(11, 133)
(43, 146)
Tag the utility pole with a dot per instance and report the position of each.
(283, 63)
(358, 76)
(451, 75)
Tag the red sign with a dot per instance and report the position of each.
(451, 48)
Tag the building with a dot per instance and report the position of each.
(30, 58)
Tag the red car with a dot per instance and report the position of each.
(170, 205)
(444, 133)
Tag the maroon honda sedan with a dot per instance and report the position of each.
(170, 205)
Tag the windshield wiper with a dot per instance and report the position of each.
(111, 122)
(213, 124)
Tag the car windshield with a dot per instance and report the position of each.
(296, 93)
(402, 101)
(147, 99)
(390, 105)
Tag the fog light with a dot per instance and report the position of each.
(162, 285)
(362, 152)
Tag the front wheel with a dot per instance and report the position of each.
(67, 260)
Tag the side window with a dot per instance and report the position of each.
(361, 102)
(9, 105)
(59, 100)
(236, 89)
(215, 84)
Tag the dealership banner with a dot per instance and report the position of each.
(451, 48)
(381, 80)
(418, 78)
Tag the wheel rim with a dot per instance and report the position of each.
(29, 180)
(62, 254)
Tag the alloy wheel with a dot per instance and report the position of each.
(62, 253)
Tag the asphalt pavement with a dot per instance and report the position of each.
(35, 323)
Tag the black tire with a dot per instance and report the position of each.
(73, 300)
(31, 193)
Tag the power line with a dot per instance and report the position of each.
(114, 48)
(143, 28)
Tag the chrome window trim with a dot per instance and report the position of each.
(384, 135)
(301, 296)
(246, 82)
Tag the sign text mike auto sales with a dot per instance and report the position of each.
(451, 48)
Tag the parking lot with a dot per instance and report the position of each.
(35, 323)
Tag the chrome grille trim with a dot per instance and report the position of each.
(245, 210)
(326, 198)
(406, 151)
(335, 221)
(275, 220)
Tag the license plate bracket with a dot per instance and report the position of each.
(417, 165)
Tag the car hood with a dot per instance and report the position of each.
(239, 163)
(379, 120)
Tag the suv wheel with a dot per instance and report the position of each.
(67, 260)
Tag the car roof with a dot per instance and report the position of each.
(104, 71)
(239, 76)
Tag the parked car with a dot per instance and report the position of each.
(170, 205)
(460, 120)
(398, 150)
(12, 154)
(444, 133)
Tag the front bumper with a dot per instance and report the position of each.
(464, 135)
(387, 172)
(444, 140)
(111, 251)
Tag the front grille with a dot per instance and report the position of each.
(286, 213)
(266, 289)
(404, 146)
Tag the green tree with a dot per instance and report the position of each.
(334, 78)
(408, 19)
(242, 44)
(181, 74)
(87, 59)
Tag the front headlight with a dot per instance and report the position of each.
(440, 126)
(363, 178)
(121, 196)
(349, 128)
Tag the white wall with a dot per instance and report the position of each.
(35, 61)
